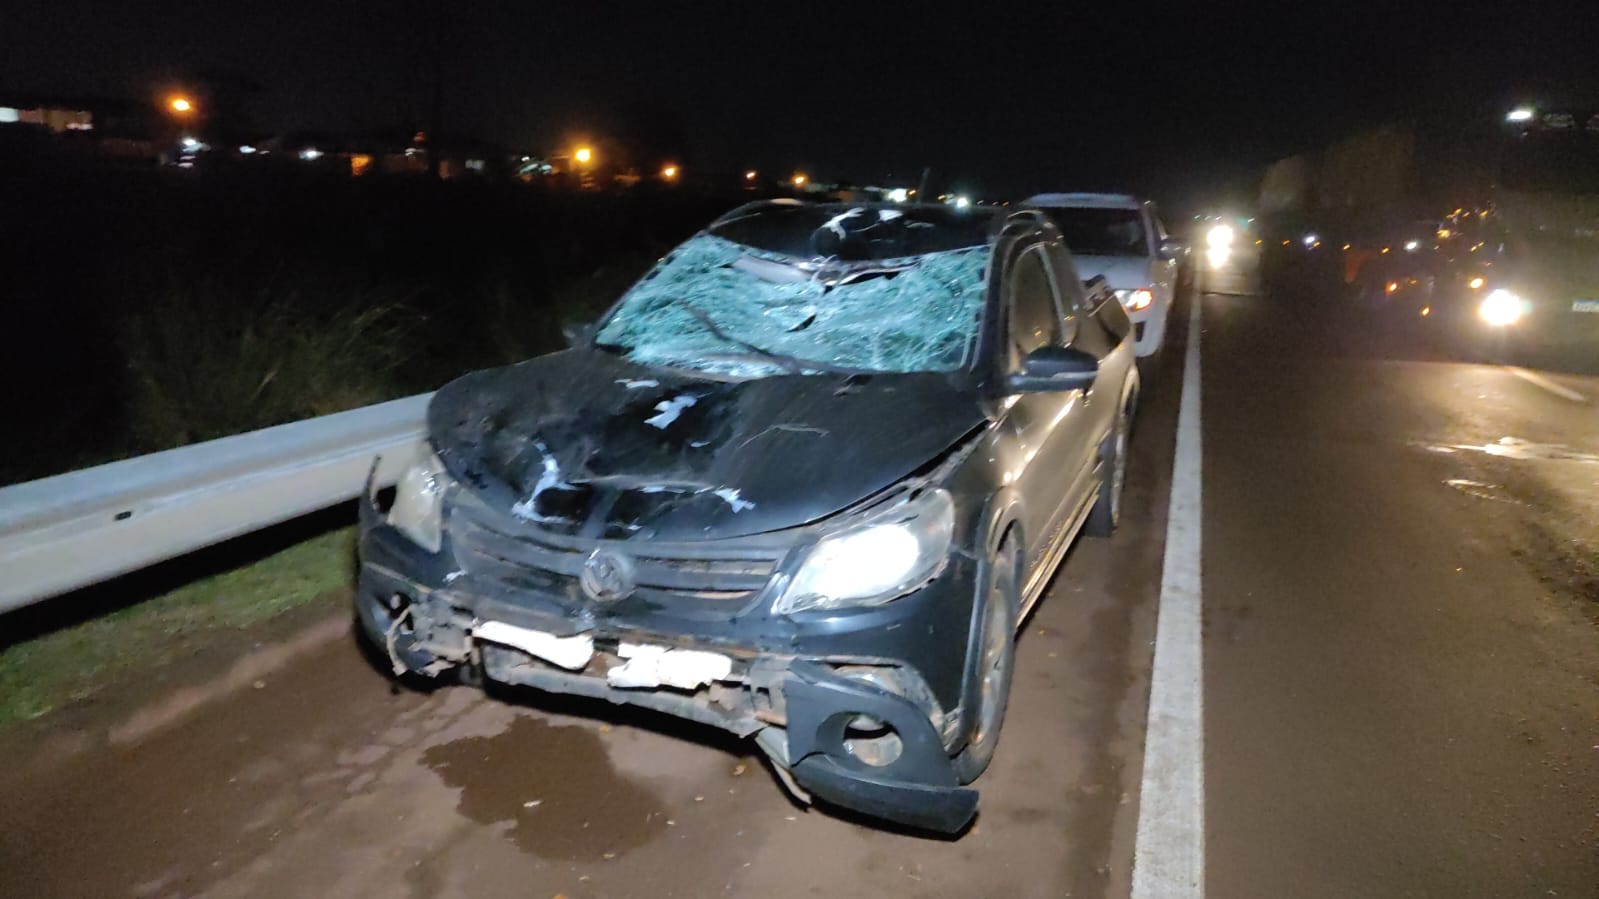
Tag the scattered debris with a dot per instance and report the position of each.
(549, 478)
(731, 496)
(670, 409)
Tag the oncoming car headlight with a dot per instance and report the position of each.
(888, 554)
(418, 510)
(1501, 308)
(1136, 300)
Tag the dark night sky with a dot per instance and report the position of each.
(1003, 98)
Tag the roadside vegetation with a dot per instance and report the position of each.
(75, 653)
(151, 309)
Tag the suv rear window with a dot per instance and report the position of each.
(1101, 232)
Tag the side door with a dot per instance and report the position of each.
(1091, 331)
(1054, 469)
(1164, 275)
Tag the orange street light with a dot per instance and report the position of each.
(584, 155)
(181, 105)
(669, 173)
(750, 175)
(800, 179)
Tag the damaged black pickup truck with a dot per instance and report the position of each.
(803, 482)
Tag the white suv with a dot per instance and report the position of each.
(1122, 238)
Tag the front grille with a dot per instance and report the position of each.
(494, 545)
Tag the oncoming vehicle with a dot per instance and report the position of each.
(803, 482)
(1122, 238)
(1529, 259)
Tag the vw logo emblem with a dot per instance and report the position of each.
(607, 576)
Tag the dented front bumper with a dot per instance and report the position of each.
(803, 698)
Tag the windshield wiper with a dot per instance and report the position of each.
(791, 364)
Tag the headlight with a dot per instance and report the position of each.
(1219, 236)
(1502, 308)
(1135, 300)
(879, 560)
(1477, 282)
(418, 503)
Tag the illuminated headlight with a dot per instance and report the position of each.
(1477, 282)
(886, 556)
(1219, 236)
(418, 510)
(1135, 300)
(1502, 308)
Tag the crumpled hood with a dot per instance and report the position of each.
(1122, 272)
(584, 442)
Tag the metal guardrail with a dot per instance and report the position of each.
(72, 530)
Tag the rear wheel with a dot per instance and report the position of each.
(1107, 511)
(998, 647)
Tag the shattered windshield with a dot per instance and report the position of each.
(792, 298)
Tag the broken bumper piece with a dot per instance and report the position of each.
(806, 713)
(913, 784)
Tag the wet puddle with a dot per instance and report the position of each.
(1516, 448)
(556, 788)
(1481, 490)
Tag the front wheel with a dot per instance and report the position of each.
(998, 647)
(1107, 511)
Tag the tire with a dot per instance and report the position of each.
(995, 665)
(1107, 511)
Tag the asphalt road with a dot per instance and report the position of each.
(1401, 693)
(1401, 596)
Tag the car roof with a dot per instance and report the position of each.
(1093, 201)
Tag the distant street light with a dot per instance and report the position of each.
(181, 105)
(800, 179)
(669, 173)
(750, 175)
(584, 155)
(1521, 114)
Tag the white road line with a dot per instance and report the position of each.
(1560, 390)
(1169, 855)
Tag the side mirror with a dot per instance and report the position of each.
(1171, 248)
(1055, 368)
(578, 334)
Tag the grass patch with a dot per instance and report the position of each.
(76, 661)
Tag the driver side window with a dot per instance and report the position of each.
(1034, 310)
